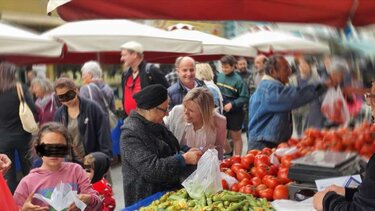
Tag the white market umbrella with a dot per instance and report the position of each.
(19, 42)
(282, 42)
(109, 35)
(212, 45)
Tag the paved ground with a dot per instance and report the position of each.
(116, 175)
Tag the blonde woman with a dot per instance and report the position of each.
(195, 123)
(203, 72)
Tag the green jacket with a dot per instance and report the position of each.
(233, 89)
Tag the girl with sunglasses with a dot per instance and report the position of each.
(84, 120)
(53, 144)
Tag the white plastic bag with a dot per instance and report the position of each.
(230, 180)
(334, 107)
(206, 179)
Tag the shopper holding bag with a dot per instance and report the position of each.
(13, 136)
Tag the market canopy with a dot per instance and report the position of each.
(101, 40)
(211, 44)
(19, 42)
(280, 42)
(329, 12)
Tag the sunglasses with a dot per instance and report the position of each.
(162, 109)
(67, 96)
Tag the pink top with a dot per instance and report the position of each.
(44, 181)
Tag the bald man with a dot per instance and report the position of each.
(185, 68)
(259, 62)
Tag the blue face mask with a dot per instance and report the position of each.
(52, 150)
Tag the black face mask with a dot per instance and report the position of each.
(67, 96)
(52, 150)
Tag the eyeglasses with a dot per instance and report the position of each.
(162, 109)
(67, 96)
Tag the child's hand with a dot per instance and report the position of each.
(228, 107)
(85, 198)
(28, 206)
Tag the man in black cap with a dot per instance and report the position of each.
(151, 156)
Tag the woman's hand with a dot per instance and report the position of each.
(192, 156)
(28, 206)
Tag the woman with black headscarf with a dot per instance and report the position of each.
(151, 158)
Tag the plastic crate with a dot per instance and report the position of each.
(144, 202)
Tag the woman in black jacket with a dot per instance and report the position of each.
(12, 135)
(85, 120)
(151, 158)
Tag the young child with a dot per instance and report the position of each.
(235, 95)
(97, 165)
(52, 144)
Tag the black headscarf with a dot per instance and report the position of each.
(101, 166)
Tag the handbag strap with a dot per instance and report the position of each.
(20, 92)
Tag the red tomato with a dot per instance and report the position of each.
(292, 142)
(230, 173)
(283, 175)
(261, 158)
(283, 145)
(260, 187)
(224, 184)
(236, 159)
(253, 152)
(235, 187)
(247, 160)
(250, 189)
(224, 165)
(227, 162)
(281, 192)
(266, 193)
(242, 174)
(286, 160)
(270, 181)
(236, 167)
(256, 181)
(253, 171)
(273, 169)
(266, 151)
(262, 170)
(244, 182)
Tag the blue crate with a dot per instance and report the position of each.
(144, 202)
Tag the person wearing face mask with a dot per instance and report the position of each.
(84, 120)
(150, 153)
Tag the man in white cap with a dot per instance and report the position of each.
(139, 74)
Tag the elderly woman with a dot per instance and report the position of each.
(195, 123)
(84, 120)
(151, 158)
(13, 137)
(45, 102)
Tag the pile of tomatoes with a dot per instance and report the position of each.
(361, 140)
(256, 174)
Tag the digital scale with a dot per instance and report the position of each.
(319, 165)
